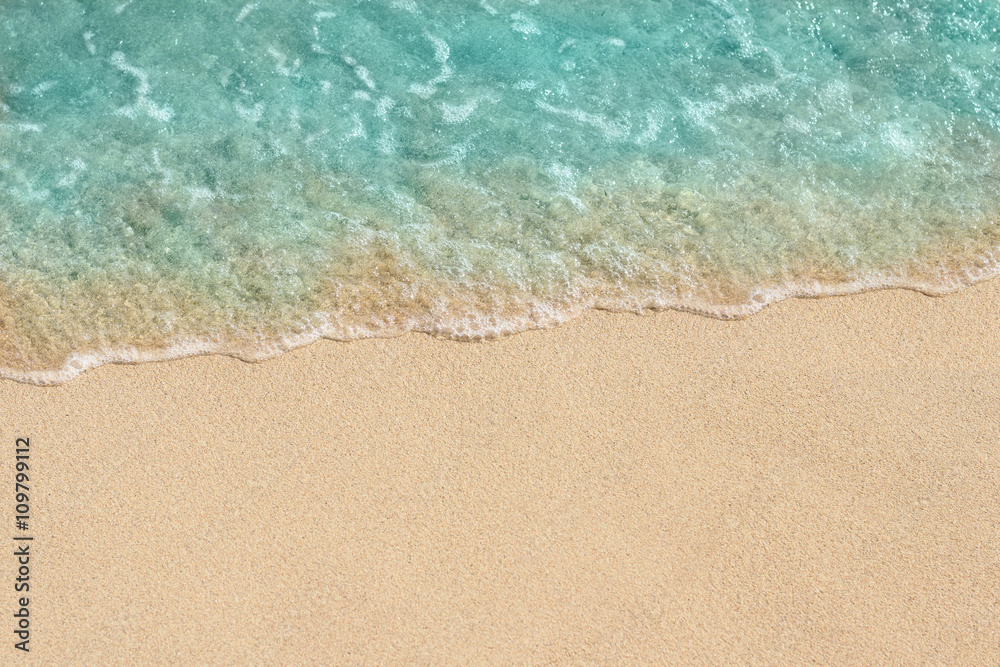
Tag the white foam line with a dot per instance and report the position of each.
(168, 175)
(281, 65)
(386, 143)
(441, 50)
(43, 88)
(523, 24)
(253, 114)
(539, 315)
(312, 138)
(568, 44)
(701, 112)
(358, 131)
(198, 195)
(616, 131)
(359, 71)
(142, 104)
(77, 167)
(458, 113)
(441, 55)
(384, 106)
(245, 12)
(22, 127)
(406, 5)
(654, 123)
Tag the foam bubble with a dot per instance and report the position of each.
(614, 131)
(406, 5)
(22, 127)
(387, 144)
(441, 54)
(359, 71)
(654, 124)
(245, 11)
(460, 113)
(252, 114)
(142, 104)
(384, 106)
(520, 22)
(77, 167)
(43, 88)
(892, 134)
(282, 63)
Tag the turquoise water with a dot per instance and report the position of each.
(186, 177)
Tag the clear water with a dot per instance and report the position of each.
(204, 176)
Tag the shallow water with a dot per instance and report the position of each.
(190, 177)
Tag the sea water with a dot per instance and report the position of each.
(206, 176)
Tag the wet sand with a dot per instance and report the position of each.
(820, 482)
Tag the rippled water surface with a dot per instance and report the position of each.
(184, 177)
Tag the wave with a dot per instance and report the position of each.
(195, 179)
(936, 280)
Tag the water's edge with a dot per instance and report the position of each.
(258, 350)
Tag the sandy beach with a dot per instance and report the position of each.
(818, 483)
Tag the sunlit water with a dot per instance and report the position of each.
(203, 176)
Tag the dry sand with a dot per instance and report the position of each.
(817, 483)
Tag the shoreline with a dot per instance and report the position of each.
(981, 267)
(816, 482)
